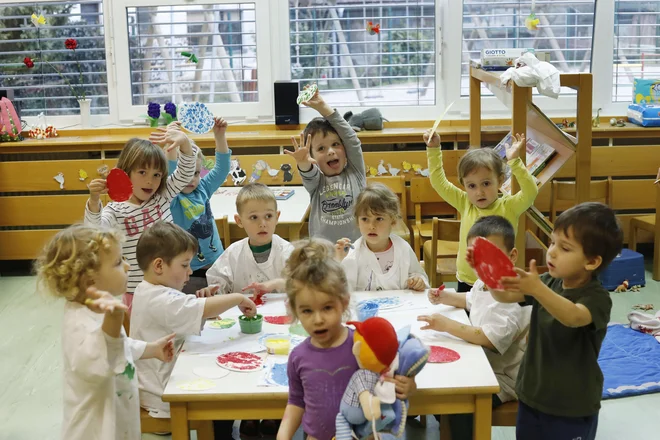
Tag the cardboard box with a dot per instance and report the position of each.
(501, 57)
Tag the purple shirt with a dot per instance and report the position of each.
(318, 378)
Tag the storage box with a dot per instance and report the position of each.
(501, 58)
(629, 265)
(646, 115)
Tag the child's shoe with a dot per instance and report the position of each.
(249, 428)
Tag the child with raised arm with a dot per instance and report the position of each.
(191, 209)
(321, 367)
(164, 252)
(481, 172)
(146, 165)
(498, 327)
(560, 383)
(380, 260)
(84, 265)
(329, 157)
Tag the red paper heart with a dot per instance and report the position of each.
(280, 320)
(442, 355)
(119, 185)
(491, 264)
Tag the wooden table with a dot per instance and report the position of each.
(465, 386)
(293, 211)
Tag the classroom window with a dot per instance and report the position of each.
(331, 45)
(565, 31)
(220, 37)
(636, 45)
(43, 87)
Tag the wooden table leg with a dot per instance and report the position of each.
(483, 414)
(179, 420)
(294, 233)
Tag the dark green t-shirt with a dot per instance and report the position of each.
(559, 374)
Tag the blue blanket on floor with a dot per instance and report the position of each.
(630, 361)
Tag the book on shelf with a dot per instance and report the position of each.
(283, 193)
(538, 156)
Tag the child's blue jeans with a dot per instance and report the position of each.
(535, 425)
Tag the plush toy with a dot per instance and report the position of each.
(369, 404)
(370, 119)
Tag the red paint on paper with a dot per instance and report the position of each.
(119, 185)
(491, 264)
(258, 300)
(279, 320)
(442, 355)
(240, 360)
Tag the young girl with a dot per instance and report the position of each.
(192, 208)
(380, 260)
(146, 165)
(481, 172)
(320, 368)
(84, 265)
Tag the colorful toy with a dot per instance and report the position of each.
(42, 133)
(623, 287)
(373, 29)
(191, 57)
(370, 119)
(595, 122)
(531, 22)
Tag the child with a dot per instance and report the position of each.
(330, 161)
(320, 368)
(164, 252)
(560, 384)
(83, 264)
(481, 172)
(146, 165)
(380, 260)
(499, 328)
(258, 260)
(192, 208)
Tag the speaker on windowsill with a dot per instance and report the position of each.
(287, 110)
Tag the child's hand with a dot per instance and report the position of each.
(96, 188)
(525, 282)
(431, 138)
(207, 292)
(317, 103)
(259, 288)
(469, 256)
(416, 283)
(342, 247)
(171, 137)
(513, 151)
(435, 322)
(301, 152)
(437, 296)
(164, 348)
(405, 386)
(220, 126)
(100, 301)
(247, 307)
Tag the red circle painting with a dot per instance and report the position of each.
(119, 185)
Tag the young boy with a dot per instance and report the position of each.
(498, 327)
(256, 262)
(560, 383)
(164, 252)
(330, 161)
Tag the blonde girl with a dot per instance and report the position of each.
(380, 260)
(481, 172)
(146, 165)
(84, 265)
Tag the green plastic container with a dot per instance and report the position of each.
(251, 326)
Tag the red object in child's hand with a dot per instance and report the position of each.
(491, 264)
(119, 185)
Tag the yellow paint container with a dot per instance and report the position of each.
(277, 345)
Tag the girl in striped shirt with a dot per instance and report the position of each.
(146, 165)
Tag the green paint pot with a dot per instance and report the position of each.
(251, 326)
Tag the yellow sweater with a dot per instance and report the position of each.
(509, 207)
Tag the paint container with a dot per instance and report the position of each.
(251, 326)
(366, 310)
(279, 344)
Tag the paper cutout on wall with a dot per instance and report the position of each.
(257, 169)
(82, 175)
(237, 173)
(372, 28)
(60, 179)
(381, 168)
(272, 172)
(406, 166)
(372, 171)
(288, 174)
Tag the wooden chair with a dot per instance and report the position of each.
(650, 224)
(398, 186)
(441, 250)
(222, 224)
(150, 424)
(504, 415)
(600, 191)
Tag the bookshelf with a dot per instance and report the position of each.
(527, 118)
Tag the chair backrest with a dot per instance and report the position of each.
(223, 230)
(446, 229)
(599, 191)
(426, 200)
(398, 186)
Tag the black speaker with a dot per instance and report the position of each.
(287, 111)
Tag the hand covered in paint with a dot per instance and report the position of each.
(100, 301)
(261, 288)
(437, 296)
(431, 138)
(416, 283)
(342, 247)
(96, 188)
(404, 386)
(302, 152)
(163, 348)
(208, 292)
(247, 307)
(526, 282)
(469, 256)
(513, 151)
(437, 322)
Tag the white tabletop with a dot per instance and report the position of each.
(471, 371)
(292, 210)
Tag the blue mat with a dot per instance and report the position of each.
(630, 361)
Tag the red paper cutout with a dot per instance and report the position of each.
(279, 320)
(119, 185)
(442, 355)
(240, 360)
(491, 264)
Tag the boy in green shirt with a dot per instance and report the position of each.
(560, 384)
